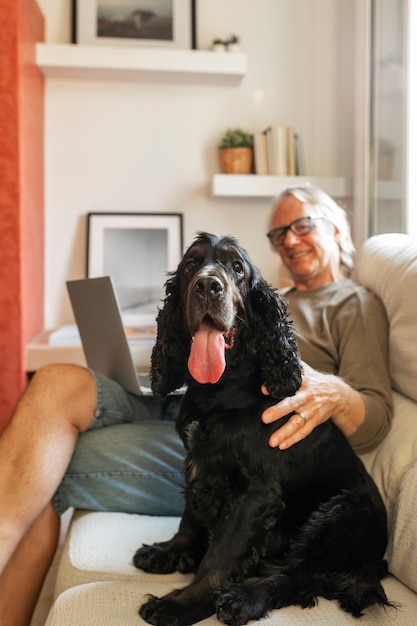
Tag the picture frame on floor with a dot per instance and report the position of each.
(137, 250)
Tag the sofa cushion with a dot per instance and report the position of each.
(100, 546)
(117, 603)
(387, 264)
(391, 460)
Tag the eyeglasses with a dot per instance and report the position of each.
(300, 227)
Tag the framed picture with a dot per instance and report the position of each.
(137, 250)
(146, 23)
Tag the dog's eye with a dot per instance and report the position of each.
(238, 267)
(190, 265)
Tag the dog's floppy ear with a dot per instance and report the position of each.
(170, 353)
(272, 341)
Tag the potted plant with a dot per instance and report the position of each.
(236, 151)
(218, 45)
(232, 43)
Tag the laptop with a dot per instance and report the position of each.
(103, 334)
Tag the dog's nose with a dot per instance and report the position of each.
(209, 286)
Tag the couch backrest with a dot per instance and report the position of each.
(387, 264)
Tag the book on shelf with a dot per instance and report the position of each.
(260, 150)
(276, 161)
(277, 145)
(299, 156)
(281, 150)
(291, 170)
(270, 150)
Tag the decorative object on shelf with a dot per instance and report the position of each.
(218, 45)
(276, 151)
(233, 43)
(236, 152)
(120, 244)
(109, 23)
(300, 168)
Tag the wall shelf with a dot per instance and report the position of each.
(254, 185)
(129, 63)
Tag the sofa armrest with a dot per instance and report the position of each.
(393, 466)
(387, 264)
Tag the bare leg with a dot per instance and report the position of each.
(22, 579)
(35, 450)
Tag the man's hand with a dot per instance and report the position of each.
(320, 397)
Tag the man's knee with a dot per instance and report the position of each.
(66, 388)
(61, 376)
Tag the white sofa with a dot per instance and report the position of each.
(97, 583)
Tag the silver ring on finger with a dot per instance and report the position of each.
(300, 417)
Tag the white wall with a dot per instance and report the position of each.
(124, 146)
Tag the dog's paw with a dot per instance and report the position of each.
(154, 559)
(235, 606)
(160, 612)
(162, 559)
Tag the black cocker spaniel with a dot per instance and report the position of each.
(262, 528)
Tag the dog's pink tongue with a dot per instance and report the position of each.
(206, 362)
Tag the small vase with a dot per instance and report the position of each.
(236, 160)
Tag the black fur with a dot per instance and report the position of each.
(262, 528)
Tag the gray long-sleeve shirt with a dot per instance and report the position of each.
(342, 329)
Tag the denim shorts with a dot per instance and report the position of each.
(130, 459)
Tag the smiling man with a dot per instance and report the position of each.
(334, 318)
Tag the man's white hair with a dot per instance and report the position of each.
(324, 205)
